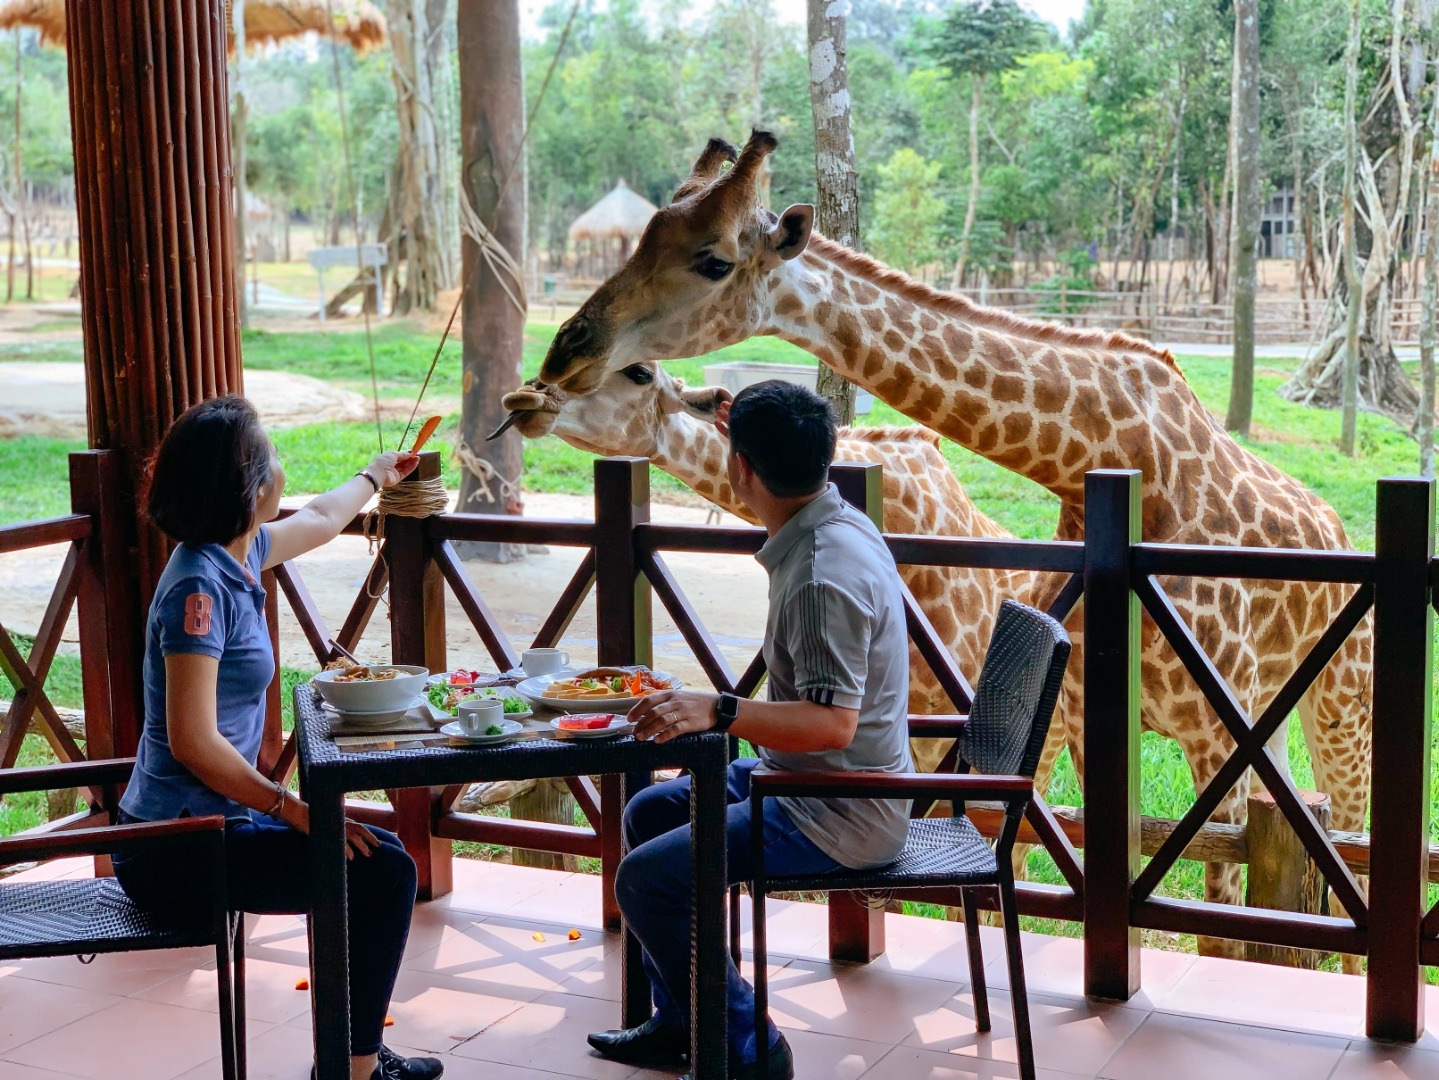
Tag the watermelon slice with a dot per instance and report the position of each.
(596, 722)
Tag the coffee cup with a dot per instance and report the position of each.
(477, 714)
(543, 661)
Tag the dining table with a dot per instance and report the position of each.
(331, 765)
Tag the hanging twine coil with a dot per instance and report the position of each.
(486, 474)
(411, 499)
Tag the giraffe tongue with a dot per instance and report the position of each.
(509, 423)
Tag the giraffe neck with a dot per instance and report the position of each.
(695, 453)
(1045, 401)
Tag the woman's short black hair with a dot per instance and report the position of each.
(206, 477)
(787, 434)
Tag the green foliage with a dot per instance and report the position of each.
(45, 106)
(983, 37)
(907, 212)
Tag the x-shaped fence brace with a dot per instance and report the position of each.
(1251, 738)
(28, 674)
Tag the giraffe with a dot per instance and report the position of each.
(1049, 402)
(646, 412)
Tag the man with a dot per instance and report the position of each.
(838, 657)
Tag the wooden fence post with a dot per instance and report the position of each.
(623, 625)
(1399, 806)
(856, 929)
(1111, 733)
(110, 621)
(417, 636)
(1282, 876)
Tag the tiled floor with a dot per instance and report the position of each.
(494, 985)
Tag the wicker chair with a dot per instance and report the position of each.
(83, 916)
(1013, 703)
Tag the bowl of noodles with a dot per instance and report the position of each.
(602, 689)
(371, 688)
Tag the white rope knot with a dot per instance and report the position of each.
(411, 499)
(486, 474)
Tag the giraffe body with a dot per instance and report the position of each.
(1047, 401)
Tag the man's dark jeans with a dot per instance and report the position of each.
(655, 891)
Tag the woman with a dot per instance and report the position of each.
(215, 489)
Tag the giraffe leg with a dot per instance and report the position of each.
(1223, 882)
(1336, 717)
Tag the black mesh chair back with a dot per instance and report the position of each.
(1016, 693)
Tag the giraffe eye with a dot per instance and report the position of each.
(713, 267)
(639, 374)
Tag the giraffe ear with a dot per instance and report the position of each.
(704, 403)
(789, 236)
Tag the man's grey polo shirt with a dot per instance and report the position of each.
(836, 635)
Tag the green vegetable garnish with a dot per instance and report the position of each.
(494, 729)
(590, 684)
(514, 704)
(617, 684)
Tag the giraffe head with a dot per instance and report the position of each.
(696, 280)
(631, 411)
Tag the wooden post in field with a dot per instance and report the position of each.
(1282, 877)
(148, 115)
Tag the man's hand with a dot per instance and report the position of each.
(668, 714)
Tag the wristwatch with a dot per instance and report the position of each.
(726, 710)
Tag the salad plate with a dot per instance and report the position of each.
(445, 699)
(508, 729)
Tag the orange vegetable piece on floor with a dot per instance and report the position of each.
(389, 1021)
(538, 936)
(303, 984)
(574, 935)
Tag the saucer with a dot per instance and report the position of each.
(455, 731)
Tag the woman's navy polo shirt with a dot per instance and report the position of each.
(205, 603)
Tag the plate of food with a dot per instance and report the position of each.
(446, 699)
(464, 677)
(616, 689)
(592, 725)
(491, 736)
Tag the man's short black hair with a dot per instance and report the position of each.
(786, 432)
(206, 477)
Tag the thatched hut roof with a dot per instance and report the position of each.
(620, 213)
(357, 21)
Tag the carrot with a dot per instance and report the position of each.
(426, 430)
(636, 685)
(303, 984)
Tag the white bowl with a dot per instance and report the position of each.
(373, 697)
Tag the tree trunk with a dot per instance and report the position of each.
(415, 189)
(19, 177)
(155, 222)
(970, 210)
(237, 136)
(836, 178)
(1244, 114)
(1354, 365)
(1424, 426)
(550, 800)
(492, 119)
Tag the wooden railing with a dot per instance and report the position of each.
(1112, 571)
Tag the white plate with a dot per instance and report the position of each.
(499, 693)
(381, 717)
(533, 690)
(454, 731)
(618, 726)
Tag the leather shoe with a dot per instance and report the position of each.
(393, 1067)
(781, 1065)
(651, 1045)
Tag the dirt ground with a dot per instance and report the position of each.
(729, 592)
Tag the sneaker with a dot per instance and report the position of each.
(394, 1067)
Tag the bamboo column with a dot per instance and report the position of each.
(150, 122)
